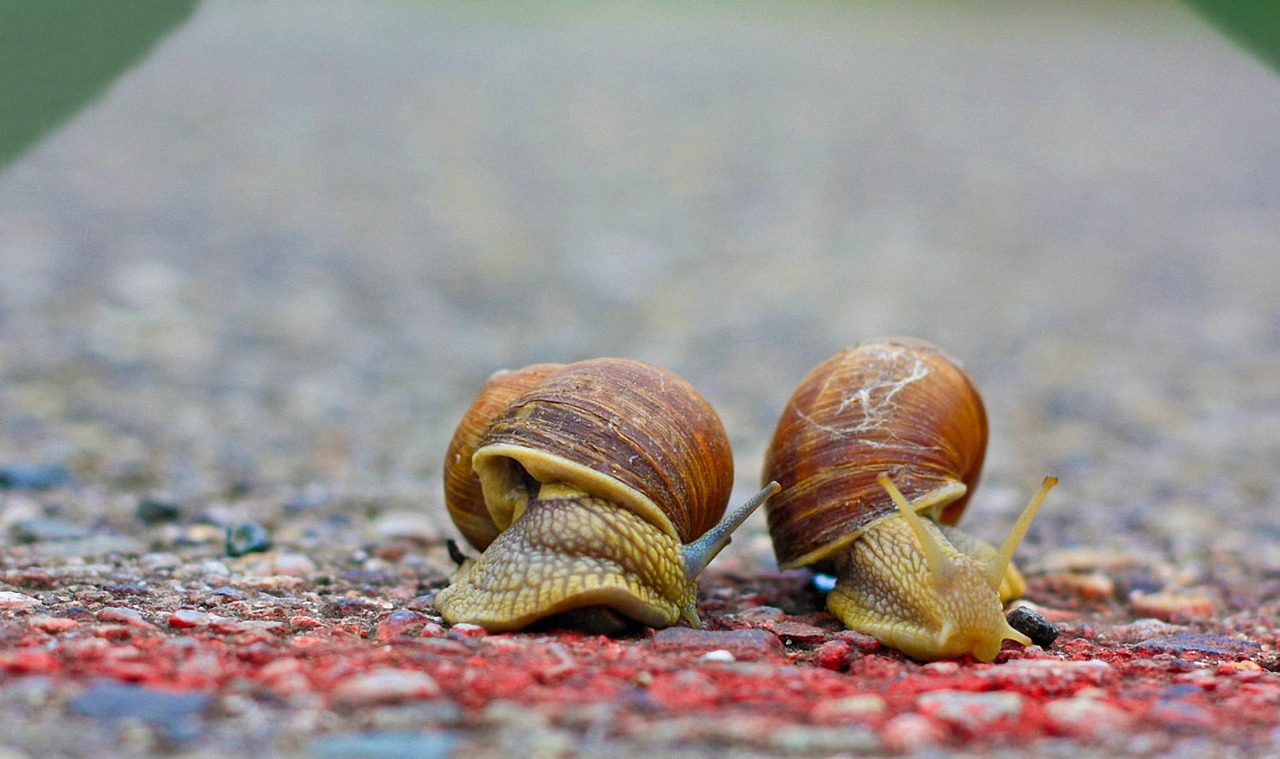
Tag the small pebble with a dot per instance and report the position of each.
(247, 537)
(1032, 624)
(719, 655)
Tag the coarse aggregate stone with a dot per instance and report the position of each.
(258, 281)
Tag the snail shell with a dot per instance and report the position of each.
(883, 429)
(463, 494)
(599, 484)
(899, 407)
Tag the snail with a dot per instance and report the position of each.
(894, 424)
(595, 490)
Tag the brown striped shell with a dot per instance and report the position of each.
(636, 435)
(900, 406)
(462, 494)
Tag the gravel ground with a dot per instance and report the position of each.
(262, 278)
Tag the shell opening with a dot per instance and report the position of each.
(511, 475)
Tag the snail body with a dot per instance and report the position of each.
(595, 489)
(877, 452)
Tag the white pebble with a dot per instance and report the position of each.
(718, 655)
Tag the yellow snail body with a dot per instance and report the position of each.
(595, 490)
(877, 452)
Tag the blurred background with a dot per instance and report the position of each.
(277, 258)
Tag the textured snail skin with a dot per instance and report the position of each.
(864, 422)
(595, 489)
(888, 588)
(574, 552)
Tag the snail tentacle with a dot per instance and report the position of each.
(1004, 555)
(699, 553)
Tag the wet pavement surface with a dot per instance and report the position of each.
(245, 298)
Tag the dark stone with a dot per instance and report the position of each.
(247, 537)
(1032, 624)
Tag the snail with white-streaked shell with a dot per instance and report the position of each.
(877, 452)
